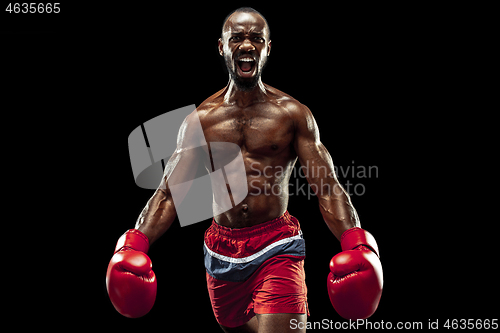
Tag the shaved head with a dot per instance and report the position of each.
(247, 10)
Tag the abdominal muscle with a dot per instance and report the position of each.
(267, 199)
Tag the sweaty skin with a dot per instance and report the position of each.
(271, 128)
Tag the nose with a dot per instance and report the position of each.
(246, 46)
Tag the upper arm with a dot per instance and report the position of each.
(159, 213)
(311, 153)
(183, 164)
(335, 204)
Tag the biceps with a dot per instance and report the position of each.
(181, 168)
(315, 158)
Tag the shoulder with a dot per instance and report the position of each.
(191, 129)
(298, 112)
(210, 103)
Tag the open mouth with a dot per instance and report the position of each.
(246, 66)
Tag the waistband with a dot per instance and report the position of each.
(255, 230)
(235, 254)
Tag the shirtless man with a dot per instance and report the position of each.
(254, 252)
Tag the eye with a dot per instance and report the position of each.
(259, 39)
(234, 39)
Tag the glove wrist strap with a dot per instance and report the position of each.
(134, 239)
(354, 237)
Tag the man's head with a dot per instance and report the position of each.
(245, 45)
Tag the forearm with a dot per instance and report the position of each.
(337, 209)
(157, 216)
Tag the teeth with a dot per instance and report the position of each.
(246, 60)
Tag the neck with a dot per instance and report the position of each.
(233, 94)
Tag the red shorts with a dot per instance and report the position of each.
(252, 270)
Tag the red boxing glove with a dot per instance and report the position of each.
(356, 278)
(130, 281)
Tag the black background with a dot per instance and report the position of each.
(381, 83)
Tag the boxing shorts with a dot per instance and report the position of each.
(258, 269)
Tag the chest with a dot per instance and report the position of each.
(264, 129)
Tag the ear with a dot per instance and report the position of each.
(268, 48)
(221, 46)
